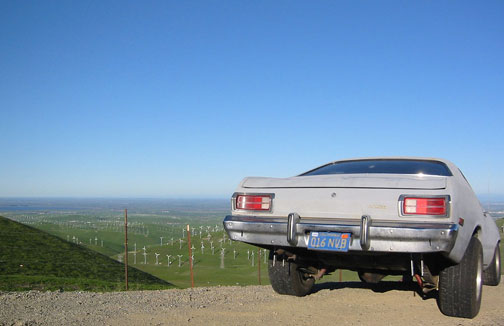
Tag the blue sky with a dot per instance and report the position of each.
(182, 99)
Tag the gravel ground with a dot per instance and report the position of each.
(350, 303)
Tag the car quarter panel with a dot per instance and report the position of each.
(468, 208)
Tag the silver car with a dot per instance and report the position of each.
(415, 217)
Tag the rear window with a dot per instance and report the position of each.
(383, 166)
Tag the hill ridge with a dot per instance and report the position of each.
(34, 259)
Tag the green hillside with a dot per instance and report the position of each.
(33, 259)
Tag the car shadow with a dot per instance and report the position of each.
(381, 287)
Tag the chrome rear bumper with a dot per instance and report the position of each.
(367, 235)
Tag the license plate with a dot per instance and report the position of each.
(331, 241)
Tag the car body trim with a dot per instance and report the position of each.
(382, 236)
(364, 239)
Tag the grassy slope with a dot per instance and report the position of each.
(30, 258)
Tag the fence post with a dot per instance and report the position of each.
(259, 265)
(126, 246)
(190, 255)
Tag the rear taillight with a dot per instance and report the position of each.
(425, 206)
(253, 202)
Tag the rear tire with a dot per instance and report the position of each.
(492, 275)
(460, 285)
(286, 278)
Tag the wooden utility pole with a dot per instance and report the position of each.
(190, 255)
(126, 246)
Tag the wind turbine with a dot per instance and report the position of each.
(222, 257)
(179, 260)
(157, 256)
(161, 241)
(169, 262)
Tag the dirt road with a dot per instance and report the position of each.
(349, 303)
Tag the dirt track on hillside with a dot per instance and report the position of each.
(349, 303)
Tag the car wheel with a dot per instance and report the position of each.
(492, 275)
(286, 278)
(460, 285)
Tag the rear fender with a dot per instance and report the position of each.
(464, 235)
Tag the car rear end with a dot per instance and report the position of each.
(350, 214)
